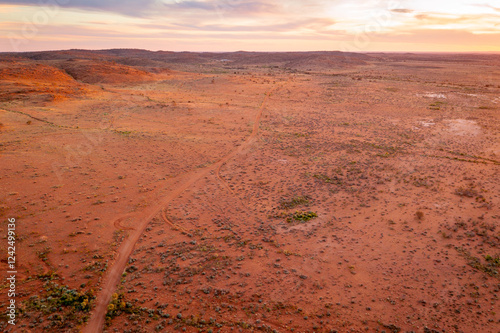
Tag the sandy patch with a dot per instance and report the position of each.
(432, 95)
(463, 127)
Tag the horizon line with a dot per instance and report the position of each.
(247, 51)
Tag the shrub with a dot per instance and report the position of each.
(64, 306)
(302, 216)
(119, 305)
(466, 192)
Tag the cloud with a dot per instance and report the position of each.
(117, 35)
(135, 8)
(421, 16)
(444, 20)
(314, 24)
(150, 8)
(192, 23)
(230, 7)
(497, 9)
(432, 36)
(402, 10)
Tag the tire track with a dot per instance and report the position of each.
(174, 226)
(38, 119)
(117, 224)
(250, 140)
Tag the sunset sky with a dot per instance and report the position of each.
(251, 25)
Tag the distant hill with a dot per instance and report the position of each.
(98, 71)
(150, 59)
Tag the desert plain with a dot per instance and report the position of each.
(237, 192)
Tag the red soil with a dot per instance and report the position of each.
(170, 189)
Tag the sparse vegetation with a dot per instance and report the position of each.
(64, 306)
(126, 133)
(324, 178)
(493, 260)
(302, 216)
(490, 267)
(436, 105)
(284, 179)
(466, 192)
(43, 253)
(294, 202)
(119, 305)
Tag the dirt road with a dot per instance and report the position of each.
(97, 319)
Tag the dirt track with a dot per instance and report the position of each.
(112, 278)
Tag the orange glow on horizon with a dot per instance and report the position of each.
(206, 25)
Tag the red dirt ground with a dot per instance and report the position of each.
(315, 192)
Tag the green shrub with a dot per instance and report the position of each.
(302, 216)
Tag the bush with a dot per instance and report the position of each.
(118, 305)
(302, 216)
(466, 192)
(64, 306)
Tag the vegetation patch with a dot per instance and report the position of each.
(493, 261)
(119, 305)
(302, 216)
(391, 327)
(126, 133)
(490, 267)
(66, 307)
(328, 180)
(466, 192)
(436, 105)
(294, 202)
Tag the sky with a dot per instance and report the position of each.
(251, 25)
